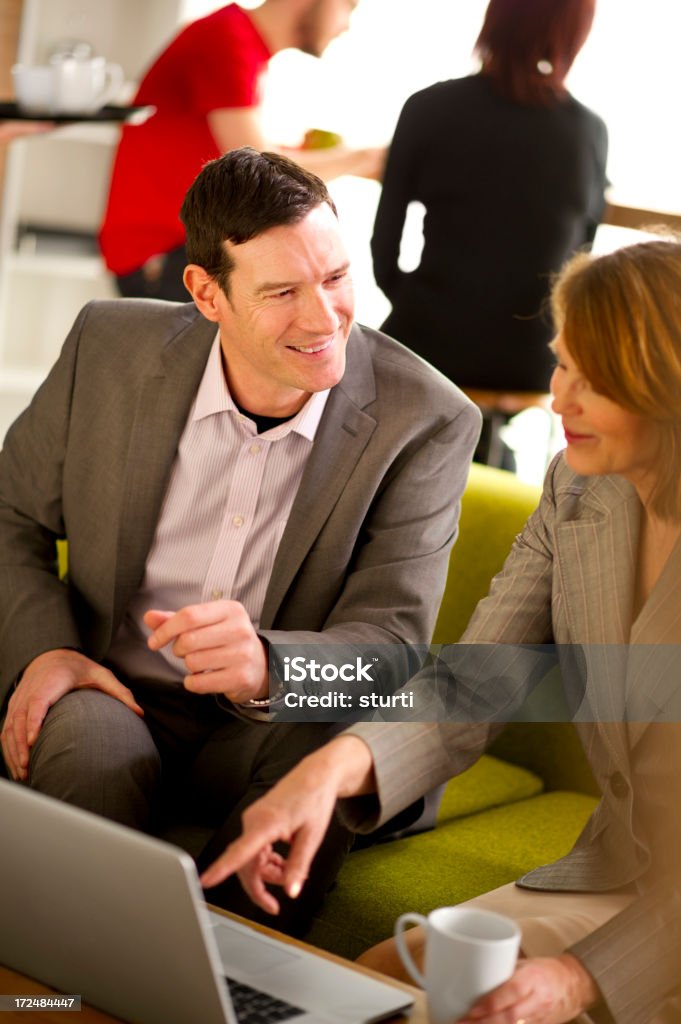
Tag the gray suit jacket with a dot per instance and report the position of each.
(569, 579)
(363, 557)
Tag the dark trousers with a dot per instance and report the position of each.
(187, 761)
(159, 278)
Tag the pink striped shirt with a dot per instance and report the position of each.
(223, 515)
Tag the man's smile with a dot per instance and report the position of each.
(310, 350)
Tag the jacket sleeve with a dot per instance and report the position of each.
(35, 610)
(412, 757)
(636, 957)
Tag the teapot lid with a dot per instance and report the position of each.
(71, 49)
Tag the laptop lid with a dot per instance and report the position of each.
(96, 909)
(99, 910)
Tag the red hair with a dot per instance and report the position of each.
(527, 46)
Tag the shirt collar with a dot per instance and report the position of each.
(213, 397)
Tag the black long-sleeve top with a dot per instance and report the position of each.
(510, 192)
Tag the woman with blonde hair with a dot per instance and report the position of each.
(620, 319)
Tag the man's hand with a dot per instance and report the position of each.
(338, 160)
(221, 649)
(297, 811)
(552, 990)
(47, 678)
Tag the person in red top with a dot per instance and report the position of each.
(205, 87)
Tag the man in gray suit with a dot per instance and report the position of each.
(251, 469)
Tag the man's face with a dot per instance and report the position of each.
(321, 22)
(285, 324)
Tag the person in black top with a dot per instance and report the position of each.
(511, 171)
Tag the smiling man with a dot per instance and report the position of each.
(284, 315)
(249, 470)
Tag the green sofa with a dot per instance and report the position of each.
(523, 803)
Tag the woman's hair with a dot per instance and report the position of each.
(619, 317)
(527, 46)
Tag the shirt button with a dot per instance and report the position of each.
(238, 521)
(216, 594)
(254, 449)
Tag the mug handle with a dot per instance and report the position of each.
(405, 955)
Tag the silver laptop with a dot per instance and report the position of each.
(95, 909)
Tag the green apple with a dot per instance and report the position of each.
(317, 138)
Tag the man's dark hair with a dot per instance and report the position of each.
(238, 196)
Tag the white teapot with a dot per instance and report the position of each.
(70, 84)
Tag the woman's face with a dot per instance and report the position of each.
(601, 436)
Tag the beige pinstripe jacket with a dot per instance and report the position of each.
(569, 579)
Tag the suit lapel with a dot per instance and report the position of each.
(631, 668)
(659, 621)
(596, 558)
(653, 671)
(342, 436)
(159, 418)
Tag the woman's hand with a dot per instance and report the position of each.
(541, 990)
(296, 811)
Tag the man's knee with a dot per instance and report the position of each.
(94, 752)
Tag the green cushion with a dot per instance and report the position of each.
(62, 558)
(488, 783)
(452, 863)
(551, 749)
(494, 509)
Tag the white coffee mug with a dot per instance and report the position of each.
(66, 86)
(468, 953)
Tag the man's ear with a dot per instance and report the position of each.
(204, 290)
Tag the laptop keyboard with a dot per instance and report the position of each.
(252, 1006)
